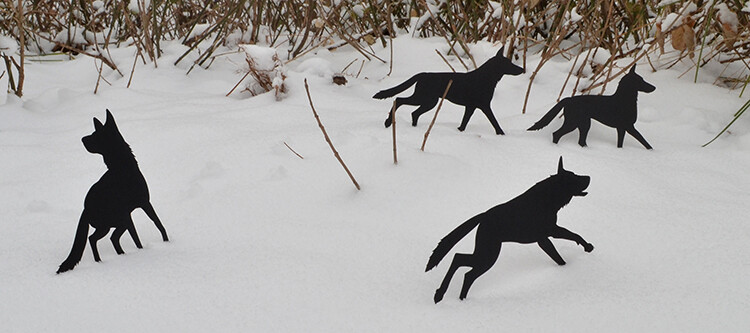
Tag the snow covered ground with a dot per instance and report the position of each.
(263, 241)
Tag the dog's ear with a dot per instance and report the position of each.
(501, 52)
(632, 69)
(97, 124)
(560, 166)
(110, 119)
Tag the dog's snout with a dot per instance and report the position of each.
(586, 181)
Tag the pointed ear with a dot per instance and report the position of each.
(110, 119)
(501, 52)
(632, 69)
(560, 166)
(97, 124)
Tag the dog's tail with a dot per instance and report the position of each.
(450, 240)
(397, 89)
(549, 116)
(79, 244)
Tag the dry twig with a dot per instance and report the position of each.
(426, 134)
(330, 144)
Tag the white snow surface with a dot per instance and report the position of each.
(263, 241)
(8, 45)
(264, 58)
(726, 16)
(136, 6)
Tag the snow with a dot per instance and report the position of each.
(497, 9)
(674, 20)
(600, 56)
(198, 30)
(573, 16)
(74, 36)
(726, 16)
(8, 45)
(264, 58)
(136, 6)
(664, 3)
(263, 241)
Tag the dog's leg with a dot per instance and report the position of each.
(152, 215)
(411, 100)
(637, 135)
(583, 132)
(566, 128)
(426, 106)
(95, 237)
(620, 137)
(485, 256)
(550, 250)
(468, 112)
(133, 233)
(491, 116)
(562, 233)
(115, 238)
(399, 101)
(459, 260)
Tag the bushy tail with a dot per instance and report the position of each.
(397, 89)
(549, 116)
(450, 240)
(79, 244)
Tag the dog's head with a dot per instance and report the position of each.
(106, 137)
(502, 65)
(632, 79)
(570, 183)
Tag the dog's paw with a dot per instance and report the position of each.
(588, 247)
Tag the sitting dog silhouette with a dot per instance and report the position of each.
(472, 90)
(619, 110)
(529, 218)
(110, 200)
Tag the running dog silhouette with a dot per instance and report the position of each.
(110, 200)
(619, 110)
(529, 218)
(472, 90)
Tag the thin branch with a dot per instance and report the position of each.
(393, 123)
(295, 153)
(238, 83)
(99, 77)
(330, 144)
(426, 134)
(446, 60)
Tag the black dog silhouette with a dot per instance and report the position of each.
(110, 200)
(619, 110)
(472, 90)
(529, 218)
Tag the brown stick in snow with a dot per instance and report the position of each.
(295, 153)
(426, 134)
(330, 144)
(393, 123)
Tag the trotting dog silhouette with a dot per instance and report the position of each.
(529, 218)
(619, 110)
(472, 90)
(110, 200)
